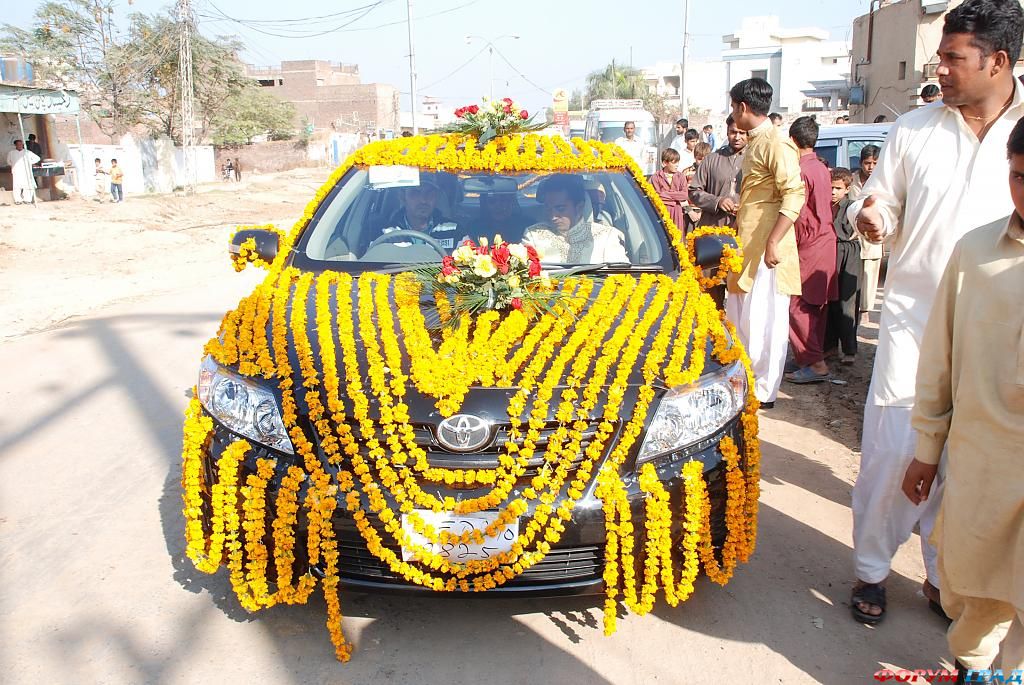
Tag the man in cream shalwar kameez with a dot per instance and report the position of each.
(934, 182)
(970, 399)
(21, 160)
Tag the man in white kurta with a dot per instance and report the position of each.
(21, 160)
(935, 180)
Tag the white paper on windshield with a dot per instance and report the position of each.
(394, 176)
(458, 524)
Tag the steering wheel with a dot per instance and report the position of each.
(390, 237)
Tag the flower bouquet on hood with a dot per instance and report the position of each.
(493, 118)
(501, 276)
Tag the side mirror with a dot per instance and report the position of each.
(256, 245)
(708, 249)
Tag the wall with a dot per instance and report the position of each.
(150, 166)
(901, 33)
(263, 158)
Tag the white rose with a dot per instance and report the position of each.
(463, 254)
(518, 251)
(514, 281)
(483, 266)
(545, 279)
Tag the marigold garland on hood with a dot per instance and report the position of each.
(572, 365)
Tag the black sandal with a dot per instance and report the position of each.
(868, 593)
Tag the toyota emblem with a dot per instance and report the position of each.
(464, 432)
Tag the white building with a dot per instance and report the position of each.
(705, 85)
(807, 70)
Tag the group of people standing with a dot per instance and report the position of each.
(944, 416)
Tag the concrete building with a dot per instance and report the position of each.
(331, 96)
(893, 56)
(705, 85)
(808, 71)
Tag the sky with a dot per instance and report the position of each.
(558, 44)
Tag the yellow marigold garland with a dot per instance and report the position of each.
(488, 351)
(732, 257)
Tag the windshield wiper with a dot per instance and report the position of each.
(607, 266)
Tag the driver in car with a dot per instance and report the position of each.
(419, 213)
(568, 236)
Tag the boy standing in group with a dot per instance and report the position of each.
(816, 249)
(870, 253)
(771, 197)
(116, 181)
(970, 401)
(841, 330)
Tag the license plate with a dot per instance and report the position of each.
(458, 524)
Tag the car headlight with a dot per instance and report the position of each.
(690, 413)
(242, 406)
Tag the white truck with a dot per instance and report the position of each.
(605, 122)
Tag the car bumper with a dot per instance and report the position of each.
(572, 567)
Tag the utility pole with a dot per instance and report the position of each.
(490, 57)
(185, 21)
(682, 65)
(412, 69)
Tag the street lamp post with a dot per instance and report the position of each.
(490, 56)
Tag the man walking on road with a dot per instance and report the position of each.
(714, 188)
(771, 198)
(940, 174)
(970, 397)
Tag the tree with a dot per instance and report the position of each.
(576, 100)
(249, 113)
(615, 81)
(74, 45)
(126, 78)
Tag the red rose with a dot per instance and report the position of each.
(459, 112)
(517, 303)
(534, 268)
(500, 256)
(531, 253)
(473, 109)
(523, 114)
(507, 101)
(508, 109)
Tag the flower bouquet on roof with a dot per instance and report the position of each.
(493, 118)
(501, 276)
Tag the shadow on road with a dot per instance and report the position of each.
(797, 579)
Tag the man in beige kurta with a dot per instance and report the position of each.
(970, 399)
(771, 197)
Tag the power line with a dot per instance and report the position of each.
(298, 33)
(521, 74)
(456, 69)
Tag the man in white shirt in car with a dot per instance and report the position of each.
(631, 144)
(419, 213)
(941, 173)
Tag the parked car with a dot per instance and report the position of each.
(368, 443)
(840, 145)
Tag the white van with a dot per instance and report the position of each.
(607, 117)
(840, 144)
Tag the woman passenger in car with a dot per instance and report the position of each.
(568, 236)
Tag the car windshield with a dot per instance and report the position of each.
(612, 130)
(383, 215)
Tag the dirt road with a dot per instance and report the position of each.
(96, 585)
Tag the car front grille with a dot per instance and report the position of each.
(561, 564)
(487, 458)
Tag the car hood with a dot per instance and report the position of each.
(298, 313)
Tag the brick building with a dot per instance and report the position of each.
(331, 96)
